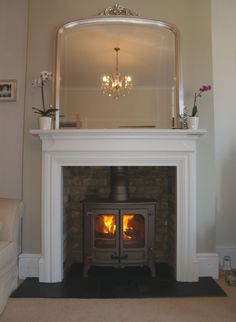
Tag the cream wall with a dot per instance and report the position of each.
(45, 17)
(224, 71)
(13, 41)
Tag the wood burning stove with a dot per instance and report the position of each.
(119, 232)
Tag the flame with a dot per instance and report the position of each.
(109, 226)
(127, 226)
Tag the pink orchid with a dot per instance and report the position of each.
(202, 89)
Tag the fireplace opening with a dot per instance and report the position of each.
(127, 213)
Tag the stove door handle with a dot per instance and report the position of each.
(119, 257)
(114, 257)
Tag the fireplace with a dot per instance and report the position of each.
(119, 232)
(144, 184)
(117, 147)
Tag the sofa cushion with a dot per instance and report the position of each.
(10, 212)
(8, 254)
(1, 224)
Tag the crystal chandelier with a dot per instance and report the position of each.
(116, 84)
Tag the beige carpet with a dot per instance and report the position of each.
(219, 309)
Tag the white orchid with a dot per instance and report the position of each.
(43, 79)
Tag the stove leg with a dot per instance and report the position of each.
(152, 268)
(87, 265)
(151, 262)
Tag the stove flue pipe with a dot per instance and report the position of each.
(119, 183)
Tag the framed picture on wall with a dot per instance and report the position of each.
(7, 90)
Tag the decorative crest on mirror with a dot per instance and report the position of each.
(117, 10)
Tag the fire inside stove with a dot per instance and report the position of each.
(132, 230)
(107, 224)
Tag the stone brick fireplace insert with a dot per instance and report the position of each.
(117, 147)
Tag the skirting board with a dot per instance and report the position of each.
(208, 265)
(29, 265)
(227, 251)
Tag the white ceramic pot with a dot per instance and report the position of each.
(45, 123)
(193, 122)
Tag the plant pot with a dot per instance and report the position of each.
(45, 123)
(193, 122)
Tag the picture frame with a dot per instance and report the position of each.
(7, 90)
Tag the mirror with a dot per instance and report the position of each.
(148, 52)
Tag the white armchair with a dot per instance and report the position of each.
(11, 211)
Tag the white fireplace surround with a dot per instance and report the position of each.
(127, 147)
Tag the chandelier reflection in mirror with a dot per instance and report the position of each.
(116, 85)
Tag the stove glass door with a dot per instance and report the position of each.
(105, 227)
(133, 229)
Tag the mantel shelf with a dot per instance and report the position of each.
(121, 132)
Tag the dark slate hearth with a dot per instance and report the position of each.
(130, 282)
